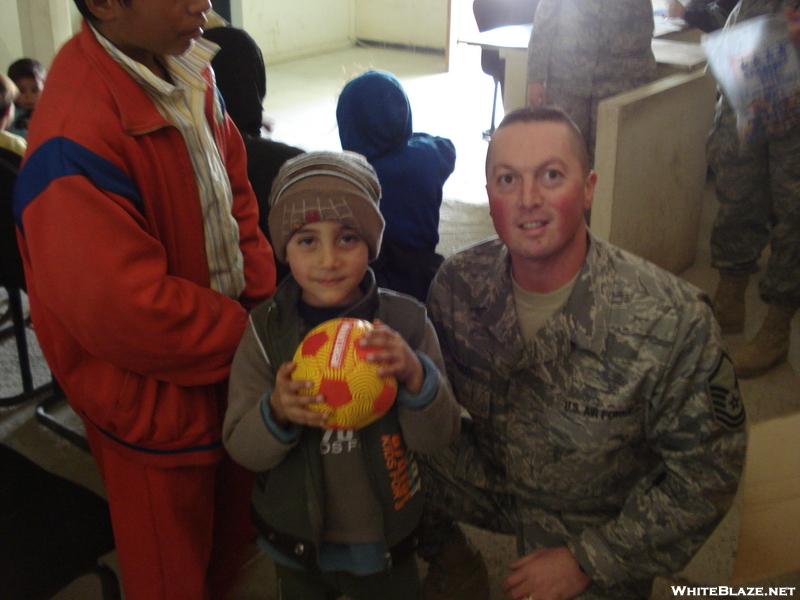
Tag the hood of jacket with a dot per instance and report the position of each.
(373, 114)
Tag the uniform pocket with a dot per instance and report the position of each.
(473, 390)
(593, 428)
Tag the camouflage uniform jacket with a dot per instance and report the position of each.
(597, 48)
(619, 428)
(747, 9)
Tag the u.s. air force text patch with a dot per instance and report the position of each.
(726, 402)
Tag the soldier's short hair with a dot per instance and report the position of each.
(548, 114)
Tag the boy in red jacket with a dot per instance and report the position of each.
(139, 233)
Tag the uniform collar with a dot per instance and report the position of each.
(589, 303)
(583, 321)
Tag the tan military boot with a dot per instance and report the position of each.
(729, 302)
(769, 347)
(457, 573)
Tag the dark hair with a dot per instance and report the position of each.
(8, 93)
(26, 67)
(87, 14)
(84, 10)
(241, 76)
(548, 114)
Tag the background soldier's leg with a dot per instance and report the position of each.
(780, 286)
(781, 281)
(579, 108)
(741, 228)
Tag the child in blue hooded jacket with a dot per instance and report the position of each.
(374, 117)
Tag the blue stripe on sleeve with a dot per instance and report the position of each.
(62, 157)
(221, 101)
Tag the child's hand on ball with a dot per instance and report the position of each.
(288, 405)
(395, 356)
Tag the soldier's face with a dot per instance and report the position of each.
(538, 192)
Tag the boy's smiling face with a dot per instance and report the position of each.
(328, 260)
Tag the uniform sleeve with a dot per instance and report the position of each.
(696, 424)
(747, 9)
(566, 32)
(433, 427)
(245, 432)
(545, 28)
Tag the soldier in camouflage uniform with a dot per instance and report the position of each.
(758, 188)
(583, 52)
(609, 439)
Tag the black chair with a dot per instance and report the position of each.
(490, 14)
(55, 413)
(12, 278)
(52, 531)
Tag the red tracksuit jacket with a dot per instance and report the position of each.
(111, 233)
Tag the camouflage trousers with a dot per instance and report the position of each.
(758, 188)
(581, 109)
(461, 486)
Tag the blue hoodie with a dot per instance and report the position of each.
(374, 118)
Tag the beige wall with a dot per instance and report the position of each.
(283, 30)
(34, 28)
(307, 27)
(410, 22)
(286, 30)
(10, 37)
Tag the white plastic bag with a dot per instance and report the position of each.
(757, 68)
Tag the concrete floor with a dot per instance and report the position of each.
(301, 99)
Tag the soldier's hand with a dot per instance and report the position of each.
(547, 574)
(675, 10)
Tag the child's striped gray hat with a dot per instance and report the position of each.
(322, 186)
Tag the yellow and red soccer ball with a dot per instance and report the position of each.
(331, 357)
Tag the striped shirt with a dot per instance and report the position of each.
(182, 104)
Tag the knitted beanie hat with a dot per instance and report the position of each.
(322, 186)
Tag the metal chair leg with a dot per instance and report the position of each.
(15, 306)
(488, 133)
(21, 340)
(109, 582)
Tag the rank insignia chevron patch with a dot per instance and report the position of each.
(726, 402)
